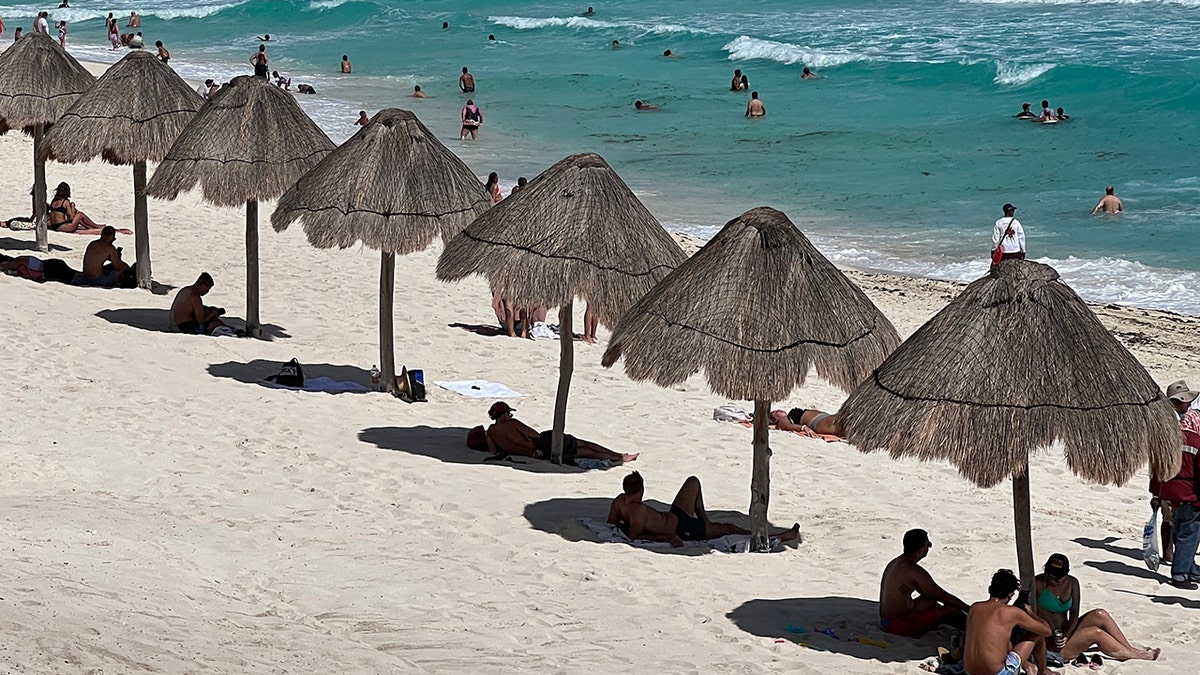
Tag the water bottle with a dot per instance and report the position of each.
(375, 378)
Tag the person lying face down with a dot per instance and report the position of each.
(685, 521)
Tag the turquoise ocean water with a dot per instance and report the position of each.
(897, 159)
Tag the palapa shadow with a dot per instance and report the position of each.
(850, 618)
(10, 244)
(1106, 544)
(1189, 603)
(449, 444)
(1115, 567)
(158, 320)
(254, 372)
(561, 516)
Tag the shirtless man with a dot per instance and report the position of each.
(188, 312)
(686, 521)
(466, 81)
(345, 63)
(1109, 203)
(1026, 113)
(417, 93)
(509, 435)
(644, 106)
(797, 418)
(362, 120)
(102, 264)
(135, 21)
(990, 623)
(899, 612)
(755, 107)
(736, 83)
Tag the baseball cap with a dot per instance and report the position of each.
(499, 408)
(1009, 207)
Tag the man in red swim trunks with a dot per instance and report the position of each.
(902, 614)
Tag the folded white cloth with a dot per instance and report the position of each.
(479, 389)
(325, 384)
(731, 543)
(544, 331)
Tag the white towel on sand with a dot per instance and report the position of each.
(732, 543)
(479, 389)
(325, 384)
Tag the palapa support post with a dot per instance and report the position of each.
(253, 329)
(387, 349)
(39, 190)
(566, 365)
(141, 226)
(760, 478)
(1024, 531)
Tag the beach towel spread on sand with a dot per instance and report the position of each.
(325, 384)
(479, 389)
(732, 543)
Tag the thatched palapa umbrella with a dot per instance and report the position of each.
(1016, 362)
(250, 142)
(38, 82)
(132, 115)
(755, 309)
(576, 230)
(394, 187)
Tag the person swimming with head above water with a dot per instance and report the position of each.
(1026, 113)
(644, 106)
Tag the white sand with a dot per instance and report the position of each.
(160, 513)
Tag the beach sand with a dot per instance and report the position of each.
(164, 512)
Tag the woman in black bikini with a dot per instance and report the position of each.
(64, 217)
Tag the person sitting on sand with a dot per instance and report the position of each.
(102, 264)
(1026, 113)
(797, 419)
(509, 435)
(190, 315)
(1109, 203)
(988, 649)
(644, 106)
(899, 612)
(64, 217)
(1057, 598)
(686, 521)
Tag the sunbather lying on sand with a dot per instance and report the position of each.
(509, 435)
(818, 421)
(686, 520)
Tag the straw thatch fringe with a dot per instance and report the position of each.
(38, 82)
(754, 309)
(252, 141)
(133, 113)
(393, 186)
(1013, 364)
(576, 230)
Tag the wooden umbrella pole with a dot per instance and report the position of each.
(566, 365)
(760, 479)
(252, 323)
(39, 190)
(141, 226)
(387, 349)
(1023, 527)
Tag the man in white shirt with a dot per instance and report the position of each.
(205, 88)
(1009, 234)
(41, 25)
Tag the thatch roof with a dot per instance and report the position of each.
(576, 230)
(251, 141)
(1014, 363)
(754, 309)
(133, 113)
(38, 82)
(393, 186)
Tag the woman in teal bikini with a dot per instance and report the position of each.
(1057, 594)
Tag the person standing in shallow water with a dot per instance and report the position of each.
(345, 64)
(259, 60)
(466, 81)
(1009, 231)
(755, 107)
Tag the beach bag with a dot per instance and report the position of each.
(1150, 553)
(998, 253)
(477, 439)
(410, 385)
(290, 375)
(731, 412)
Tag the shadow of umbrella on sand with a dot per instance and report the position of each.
(754, 309)
(131, 115)
(249, 143)
(393, 187)
(576, 230)
(1016, 363)
(39, 80)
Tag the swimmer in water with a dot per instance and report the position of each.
(616, 45)
(362, 120)
(417, 93)
(1062, 115)
(807, 74)
(644, 106)
(265, 37)
(736, 84)
(1109, 203)
(589, 12)
(1026, 113)
(755, 107)
(1047, 114)
(669, 55)
(445, 25)
(345, 63)
(491, 38)
(466, 81)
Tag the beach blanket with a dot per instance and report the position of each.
(733, 543)
(806, 432)
(479, 389)
(325, 384)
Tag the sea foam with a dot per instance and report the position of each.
(1015, 74)
(745, 48)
